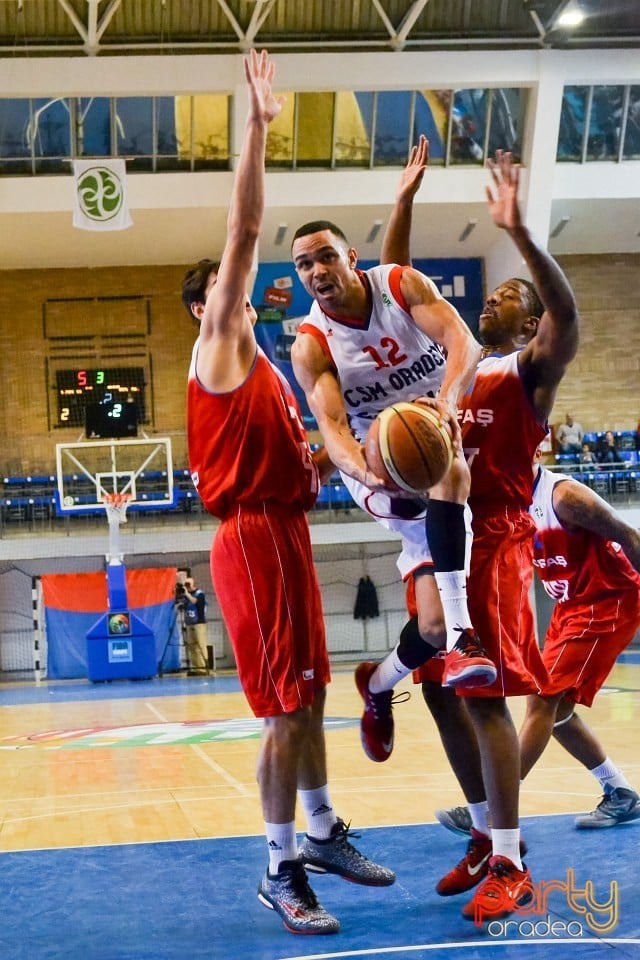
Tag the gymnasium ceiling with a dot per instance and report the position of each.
(103, 27)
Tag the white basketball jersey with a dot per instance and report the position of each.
(382, 359)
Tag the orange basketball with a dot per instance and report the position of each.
(409, 447)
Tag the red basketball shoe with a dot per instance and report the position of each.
(376, 724)
(467, 665)
(505, 889)
(473, 867)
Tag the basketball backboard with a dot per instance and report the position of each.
(88, 469)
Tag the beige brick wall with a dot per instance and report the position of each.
(600, 389)
(28, 443)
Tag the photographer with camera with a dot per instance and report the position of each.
(193, 604)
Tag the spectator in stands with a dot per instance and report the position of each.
(570, 435)
(586, 454)
(607, 451)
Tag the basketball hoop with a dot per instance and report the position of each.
(116, 506)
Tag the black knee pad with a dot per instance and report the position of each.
(413, 651)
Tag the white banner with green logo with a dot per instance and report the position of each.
(100, 195)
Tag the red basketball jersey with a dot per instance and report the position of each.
(249, 445)
(579, 566)
(500, 435)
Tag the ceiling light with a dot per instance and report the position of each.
(571, 18)
(375, 230)
(281, 232)
(470, 227)
(560, 225)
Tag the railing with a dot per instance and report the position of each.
(28, 504)
(616, 482)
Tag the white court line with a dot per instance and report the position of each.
(126, 805)
(226, 776)
(118, 793)
(464, 945)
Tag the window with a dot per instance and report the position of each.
(468, 126)
(599, 123)
(393, 123)
(507, 114)
(631, 149)
(572, 123)
(605, 118)
(170, 133)
(325, 129)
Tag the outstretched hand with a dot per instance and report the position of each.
(412, 175)
(259, 71)
(503, 197)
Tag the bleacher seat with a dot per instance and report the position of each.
(626, 441)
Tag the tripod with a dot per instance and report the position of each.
(177, 629)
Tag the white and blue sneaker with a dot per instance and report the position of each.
(289, 894)
(456, 819)
(620, 805)
(337, 855)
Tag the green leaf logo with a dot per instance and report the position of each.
(100, 194)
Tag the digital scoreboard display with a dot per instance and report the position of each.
(115, 390)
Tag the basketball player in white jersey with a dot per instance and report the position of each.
(374, 337)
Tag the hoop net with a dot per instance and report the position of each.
(116, 506)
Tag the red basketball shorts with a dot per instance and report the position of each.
(584, 641)
(264, 576)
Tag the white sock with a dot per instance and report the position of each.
(609, 776)
(480, 816)
(319, 812)
(506, 843)
(452, 587)
(282, 843)
(388, 673)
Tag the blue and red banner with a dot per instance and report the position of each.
(74, 601)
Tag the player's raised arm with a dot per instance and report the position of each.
(396, 242)
(227, 341)
(547, 355)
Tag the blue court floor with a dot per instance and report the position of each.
(197, 899)
(187, 899)
(70, 691)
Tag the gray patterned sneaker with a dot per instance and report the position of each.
(337, 855)
(457, 819)
(619, 806)
(289, 894)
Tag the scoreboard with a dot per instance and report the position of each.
(79, 389)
